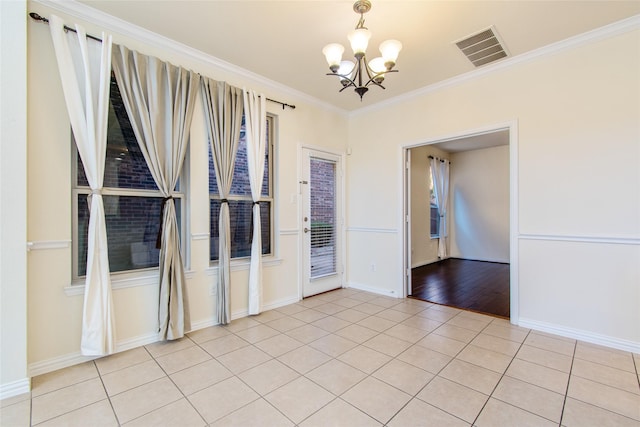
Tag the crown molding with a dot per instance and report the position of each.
(611, 30)
(123, 28)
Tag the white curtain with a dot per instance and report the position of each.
(223, 107)
(159, 99)
(440, 172)
(85, 70)
(255, 120)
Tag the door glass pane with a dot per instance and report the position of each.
(322, 181)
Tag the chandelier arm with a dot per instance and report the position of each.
(343, 76)
(373, 79)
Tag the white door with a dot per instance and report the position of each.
(321, 222)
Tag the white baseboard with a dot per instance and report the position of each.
(71, 359)
(201, 324)
(276, 304)
(385, 292)
(15, 388)
(50, 365)
(579, 334)
(497, 261)
(422, 263)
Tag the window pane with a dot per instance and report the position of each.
(132, 229)
(125, 166)
(240, 185)
(240, 227)
(435, 221)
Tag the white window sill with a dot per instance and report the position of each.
(123, 281)
(243, 264)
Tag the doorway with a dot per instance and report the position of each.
(480, 222)
(322, 222)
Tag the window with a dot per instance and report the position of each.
(434, 217)
(240, 202)
(131, 199)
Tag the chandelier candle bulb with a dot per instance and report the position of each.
(362, 73)
(333, 52)
(359, 39)
(378, 66)
(390, 50)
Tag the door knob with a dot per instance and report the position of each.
(306, 230)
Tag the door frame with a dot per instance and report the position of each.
(512, 127)
(341, 222)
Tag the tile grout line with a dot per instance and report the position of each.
(336, 397)
(31, 397)
(370, 375)
(260, 396)
(115, 414)
(566, 392)
(166, 375)
(444, 367)
(500, 380)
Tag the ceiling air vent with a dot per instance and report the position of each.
(483, 47)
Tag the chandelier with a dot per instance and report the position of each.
(360, 74)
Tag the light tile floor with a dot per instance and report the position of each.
(345, 358)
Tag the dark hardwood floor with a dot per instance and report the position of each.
(473, 285)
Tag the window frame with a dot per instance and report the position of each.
(78, 190)
(271, 149)
(433, 196)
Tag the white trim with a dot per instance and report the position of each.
(60, 362)
(243, 264)
(15, 388)
(582, 335)
(611, 30)
(512, 127)
(514, 224)
(582, 239)
(423, 263)
(199, 236)
(50, 365)
(385, 292)
(290, 232)
(201, 324)
(131, 280)
(37, 245)
(127, 29)
(276, 304)
(373, 230)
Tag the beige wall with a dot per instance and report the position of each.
(54, 314)
(479, 204)
(577, 182)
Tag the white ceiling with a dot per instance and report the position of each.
(475, 142)
(283, 40)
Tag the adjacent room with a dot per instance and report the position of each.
(225, 212)
(469, 267)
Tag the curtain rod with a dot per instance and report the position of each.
(442, 160)
(37, 17)
(282, 103)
